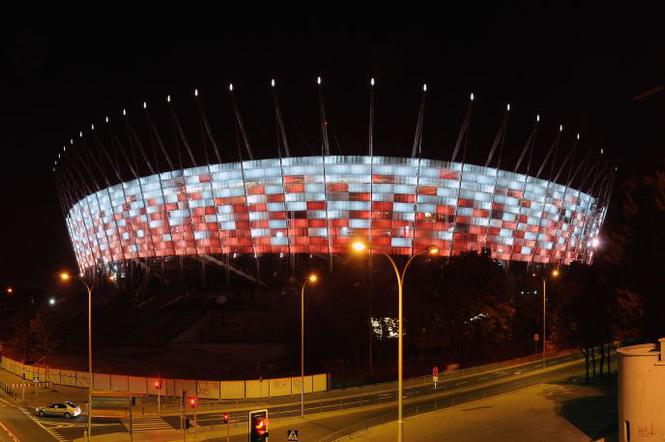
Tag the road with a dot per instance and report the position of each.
(17, 426)
(334, 411)
(417, 400)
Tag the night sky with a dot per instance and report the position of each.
(579, 66)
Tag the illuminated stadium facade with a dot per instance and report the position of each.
(296, 205)
(318, 205)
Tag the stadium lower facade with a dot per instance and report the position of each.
(319, 205)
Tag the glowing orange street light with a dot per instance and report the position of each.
(312, 279)
(9, 290)
(359, 246)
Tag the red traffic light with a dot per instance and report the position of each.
(158, 384)
(258, 425)
(261, 425)
(226, 418)
(192, 402)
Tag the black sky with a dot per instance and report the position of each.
(576, 65)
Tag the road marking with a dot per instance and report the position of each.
(146, 424)
(35, 420)
(9, 433)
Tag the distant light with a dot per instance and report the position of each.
(313, 278)
(508, 107)
(595, 242)
(578, 136)
(602, 151)
(196, 92)
(64, 147)
(71, 141)
(272, 82)
(124, 112)
(92, 127)
(168, 98)
(560, 127)
(145, 105)
(616, 169)
(230, 87)
(537, 118)
(471, 96)
(80, 134)
(424, 87)
(51, 301)
(56, 163)
(371, 81)
(54, 169)
(9, 290)
(318, 80)
(58, 155)
(106, 119)
(555, 272)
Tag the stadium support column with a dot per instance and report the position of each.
(283, 142)
(325, 152)
(461, 137)
(541, 233)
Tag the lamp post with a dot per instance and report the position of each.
(360, 246)
(554, 274)
(311, 279)
(65, 276)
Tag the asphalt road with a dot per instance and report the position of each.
(17, 426)
(352, 407)
(417, 399)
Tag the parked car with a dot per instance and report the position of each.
(66, 409)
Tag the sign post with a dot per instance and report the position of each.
(435, 376)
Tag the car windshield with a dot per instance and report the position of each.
(71, 404)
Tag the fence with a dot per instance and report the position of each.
(204, 389)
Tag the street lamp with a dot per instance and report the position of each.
(65, 277)
(554, 274)
(359, 247)
(9, 290)
(312, 279)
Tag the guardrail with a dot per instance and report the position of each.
(8, 390)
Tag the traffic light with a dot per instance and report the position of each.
(191, 401)
(258, 426)
(226, 418)
(158, 384)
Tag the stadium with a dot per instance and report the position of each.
(317, 205)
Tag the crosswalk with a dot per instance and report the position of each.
(146, 424)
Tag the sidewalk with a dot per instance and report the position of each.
(546, 412)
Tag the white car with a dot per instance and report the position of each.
(67, 409)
